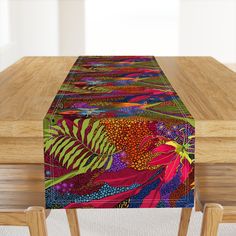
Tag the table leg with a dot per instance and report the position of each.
(73, 222)
(36, 221)
(212, 216)
(184, 221)
(47, 212)
(198, 204)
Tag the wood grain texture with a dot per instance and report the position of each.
(205, 86)
(36, 221)
(22, 186)
(33, 217)
(216, 183)
(73, 222)
(212, 217)
(21, 128)
(229, 214)
(28, 87)
(21, 150)
(30, 150)
(184, 221)
(215, 129)
(215, 150)
(197, 203)
(13, 217)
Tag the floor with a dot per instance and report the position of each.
(121, 222)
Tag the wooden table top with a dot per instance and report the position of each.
(28, 87)
(206, 87)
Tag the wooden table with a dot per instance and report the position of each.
(28, 87)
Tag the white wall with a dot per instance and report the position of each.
(35, 26)
(4, 22)
(43, 28)
(157, 27)
(151, 27)
(71, 21)
(33, 30)
(208, 27)
(132, 27)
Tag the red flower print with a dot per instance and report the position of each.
(167, 156)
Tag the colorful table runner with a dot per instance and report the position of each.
(118, 136)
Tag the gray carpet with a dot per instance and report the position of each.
(121, 222)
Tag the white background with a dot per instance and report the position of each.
(117, 27)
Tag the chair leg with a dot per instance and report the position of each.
(73, 222)
(184, 221)
(36, 221)
(212, 216)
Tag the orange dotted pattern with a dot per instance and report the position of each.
(127, 135)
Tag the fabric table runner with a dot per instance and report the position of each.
(118, 136)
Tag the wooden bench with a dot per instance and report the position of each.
(22, 199)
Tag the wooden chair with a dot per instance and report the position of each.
(215, 196)
(22, 199)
